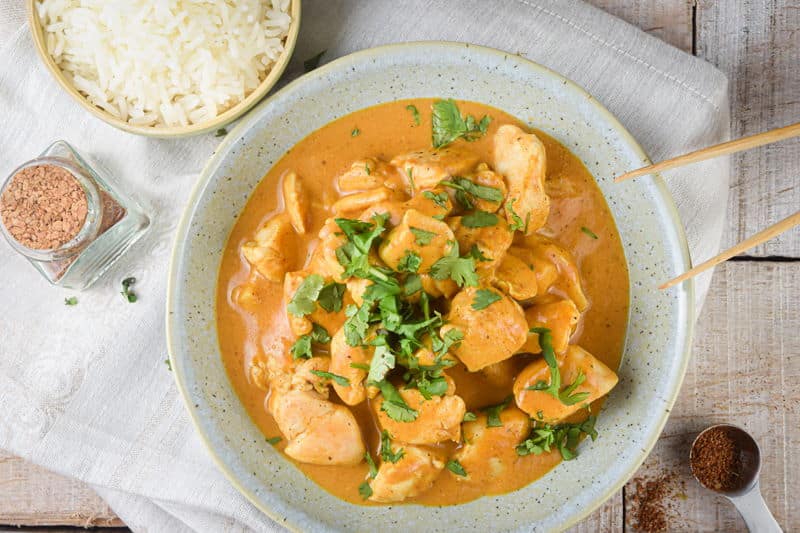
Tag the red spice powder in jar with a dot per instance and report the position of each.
(43, 207)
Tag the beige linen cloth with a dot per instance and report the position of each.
(84, 390)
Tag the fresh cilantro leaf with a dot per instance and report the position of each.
(305, 297)
(169, 364)
(373, 469)
(336, 378)
(330, 296)
(394, 405)
(455, 467)
(354, 254)
(540, 414)
(448, 124)
(459, 269)
(313, 62)
(493, 413)
(355, 132)
(414, 113)
(222, 132)
(365, 490)
(439, 198)
(484, 298)
(410, 173)
(589, 232)
(479, 219)
(301, 349)
(477, 255)
(516, 221)
(386, 449)
(380, 289)
(383, 360)
(564, 437)
(441, 345)
(566, 396)
(472, 189)
(274, 440)
(554, 387)
(422, 237)
(360, 366)
(129, 295)
(430, 386)
(357, 323)
(410, 262)
(469, 416)
(72, 300)
(412, 284)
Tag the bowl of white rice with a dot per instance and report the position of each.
(166, 68)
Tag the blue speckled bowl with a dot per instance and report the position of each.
(657, 348)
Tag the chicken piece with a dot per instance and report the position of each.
(438, 287)
(393, 208)
(520, 157)
(342, 356)
(560, 317)
(247, 296)
(516, 278)
(427, 237)
(412, 475)
(556, 271)
(500, 375)
(366, 174)
(353, 204)
(272, 252)
(492, 241)
(438, 419)
(258, 373)
(599, 380)
(435, 202)
(295, 202)
(302, 325)
(484, 176)
(323, 259)
(490, 453)
(318, 431)
(304, 379)
(428, 167)
(491, 334)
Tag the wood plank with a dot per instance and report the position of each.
(607, 519)
(757, 44)
(33, 496)
(669, 20)
(745, 370)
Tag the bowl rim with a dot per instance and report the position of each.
(220, 153)
(228, 116)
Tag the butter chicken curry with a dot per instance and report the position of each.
(420, 305)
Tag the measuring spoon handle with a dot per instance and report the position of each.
(755, 512)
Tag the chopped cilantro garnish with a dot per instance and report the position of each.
(466, 190)
(386, 449)
(459, 269)
(410, 262)
(564, 437)
(455, 467)
(469, 416)
(484, 298)
(365, 490)
(441, 345)
(305, 297)
(516, 221)
(373, 469)
(222, 132)
(72, 300)
(169, 364)
(394, 405)
(410, 173)
(313, 62)
(357, 323)
(354, 254)
(355, 132)
(336, 378)
(330, 296)
(479, 219)
(540, 414)
(412, 284)
(383, 360)
(274, 440)
(589, 232)
(493, 413)
(360, 366)
(422, 237)
(553, 388)
(414, 113)
(449, 125)
(439, 198)
(477, 255)
(129, 295)
(301, 349)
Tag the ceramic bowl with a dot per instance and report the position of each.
(215, 124)
(658, 340)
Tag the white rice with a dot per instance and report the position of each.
(165, 62)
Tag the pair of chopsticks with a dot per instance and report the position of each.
(730, 147)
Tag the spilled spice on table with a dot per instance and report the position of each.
(653, 501)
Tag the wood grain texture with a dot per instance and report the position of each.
(669, 20)
(33, 496)
(757, 44)
(745, 370)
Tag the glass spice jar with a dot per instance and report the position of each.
(112, 223)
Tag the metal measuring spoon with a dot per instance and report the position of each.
(747, 498)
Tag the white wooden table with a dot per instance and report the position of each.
(746, 363)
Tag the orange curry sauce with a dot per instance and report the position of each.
(385, 131)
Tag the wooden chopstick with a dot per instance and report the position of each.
(745, 143)
(758, 238)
